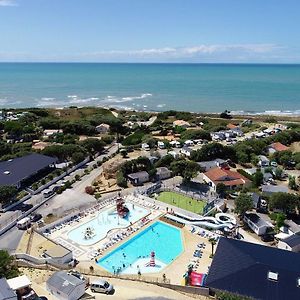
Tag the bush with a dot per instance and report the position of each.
(244, 173)
(89, 190)
(77, 177)
(97, 195)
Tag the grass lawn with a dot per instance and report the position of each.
(182, 201)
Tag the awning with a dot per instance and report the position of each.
(19, 282)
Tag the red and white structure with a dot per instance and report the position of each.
(151, 263)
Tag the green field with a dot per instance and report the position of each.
(182, 201)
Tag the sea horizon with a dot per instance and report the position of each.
(243, 88)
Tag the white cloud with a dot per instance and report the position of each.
(8, 3)
(263, 52)
(187, 52)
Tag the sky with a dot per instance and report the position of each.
(196, 31)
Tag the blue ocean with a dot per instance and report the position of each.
(251, 88)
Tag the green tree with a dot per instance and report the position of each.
(121, 180)
(258, 178)
(284, 201)
(292, 183)
(77, 157)
(7, 266)
(243, 203)
(278, 173)
(221, 189)
(93, 145)
(7, 193)
(280, 218)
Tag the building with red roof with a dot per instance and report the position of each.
(229, 178)
(277, 147)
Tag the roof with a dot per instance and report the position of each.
(64, 282)
(256, 219)
(279, 147)
(57, 251)
(255, 198)
(187, 149)
(263, 158)
(181, 123)
(231, 126)
(103, 125)
(138, 175)
(227, 177)
(15, 170)
(241, 267)
(274, 189)
(211, 163)
(19, 282)
(5, 290)
(162, 170)
(292, 240)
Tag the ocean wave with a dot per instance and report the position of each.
(143, 96)
(83, 100)
(268, 112)
(47, 99)
(161, 105)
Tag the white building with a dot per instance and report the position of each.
(256, 223)
(263, 161)
(65, 286)
(103, 128)
(291, 243)
(186, 151)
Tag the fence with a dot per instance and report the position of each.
(148, 279)
(25, 259)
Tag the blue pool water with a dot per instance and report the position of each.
(103, 222)
(163, 239)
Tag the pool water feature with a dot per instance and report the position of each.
(105, 221)
(129, 258)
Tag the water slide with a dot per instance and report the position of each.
(220, 221)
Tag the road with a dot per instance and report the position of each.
(69, 199)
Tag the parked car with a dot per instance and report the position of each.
(24, 207)
(49, 193)
(274, 164)
(102, 286)
(267, 237)
(35, 217)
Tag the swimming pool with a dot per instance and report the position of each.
(163, 239)
(105, 221)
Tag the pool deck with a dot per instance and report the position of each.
(175, 270)
(86, 254)
(105, 245)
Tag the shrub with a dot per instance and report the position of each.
(89, 190)
(77, 177)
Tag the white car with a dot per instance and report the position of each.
(101, 286)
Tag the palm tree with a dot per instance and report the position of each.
(212, 242)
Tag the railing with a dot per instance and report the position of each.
(148, 279)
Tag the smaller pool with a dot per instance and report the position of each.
(132, 256)
(104, 222)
